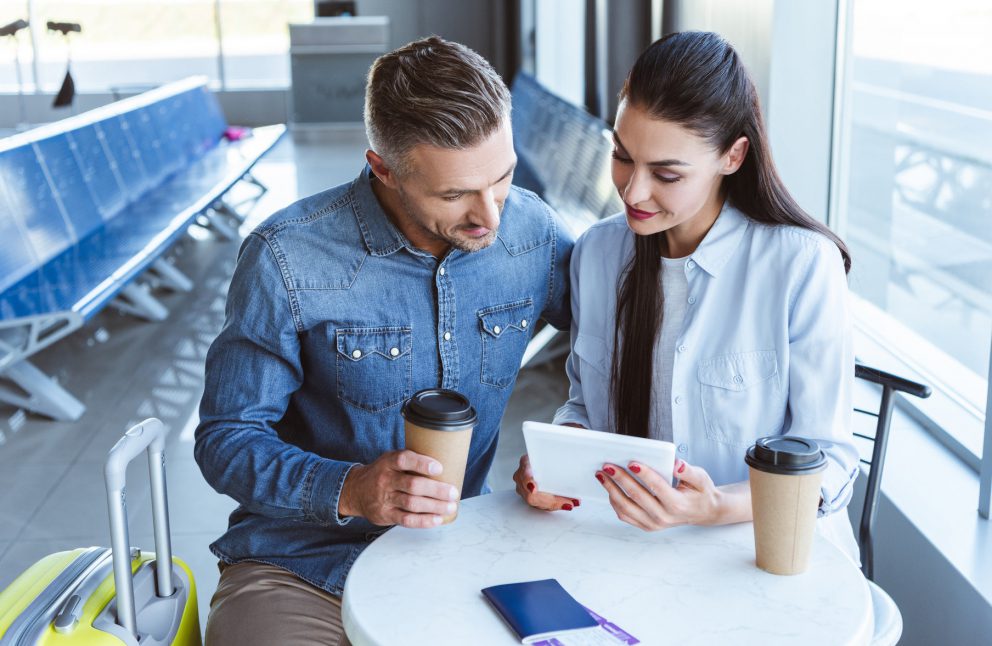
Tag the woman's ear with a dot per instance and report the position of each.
(734, 157)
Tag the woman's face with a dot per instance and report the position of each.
(666, 174)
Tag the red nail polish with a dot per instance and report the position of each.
(576, 502)
(636, 468)
(530, 486)
(681, 467)
(567, 507)
(600, 478)
(610, 471)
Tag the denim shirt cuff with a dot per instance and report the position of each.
(325, 492)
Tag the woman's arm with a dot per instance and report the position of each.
(821, 371)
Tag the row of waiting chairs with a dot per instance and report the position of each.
(91, 204)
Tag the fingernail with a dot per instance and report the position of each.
(434, 468)
(600, 478)
(610, 471)
(453, 494)
(636, 468)
(576, 502)
(681, 466)
(451, 507)
(567, 507)
(530, 486)
(437, 520)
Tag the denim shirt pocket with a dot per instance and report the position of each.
(505, 332)
(374, 366)
(740, 397)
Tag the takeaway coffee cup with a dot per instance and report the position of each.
(785, 474)
(439, 424)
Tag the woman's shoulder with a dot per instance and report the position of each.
(792, 241)
(606, 234)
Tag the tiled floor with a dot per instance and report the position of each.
(124, 370)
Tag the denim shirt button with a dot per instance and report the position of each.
(683, 448)
(447, 336)
(497, 329)
(523, 323)
(692, 299)
(357, 354)
(394, 352)
(678, 399)
(441, 271)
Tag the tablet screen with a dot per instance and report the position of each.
(565, 460)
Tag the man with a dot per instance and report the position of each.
(428, 270)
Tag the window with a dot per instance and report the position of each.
(256, 40)
(131, 45)
(913, 191)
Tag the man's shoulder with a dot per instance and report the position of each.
(527, 222)
(323, 209)
(317, 240)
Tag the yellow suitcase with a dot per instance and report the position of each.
(115, 595)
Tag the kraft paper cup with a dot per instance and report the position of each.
(439, 424)
(785, 476)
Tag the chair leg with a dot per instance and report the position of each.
(136, 300)
(220, 226)
(167, 274)
(24, 386)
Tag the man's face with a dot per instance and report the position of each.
(455, 197)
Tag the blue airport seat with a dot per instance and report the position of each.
(91, 203)
(548, 129)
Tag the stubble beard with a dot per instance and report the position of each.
(466, 243)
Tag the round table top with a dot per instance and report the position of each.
(687, 585)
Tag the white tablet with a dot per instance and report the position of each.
(565, 460)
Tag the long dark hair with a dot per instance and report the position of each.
(696, 80)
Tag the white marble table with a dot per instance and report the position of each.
(689, 585)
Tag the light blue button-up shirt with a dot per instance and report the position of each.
(765, 347)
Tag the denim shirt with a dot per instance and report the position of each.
(765, 347)
(334, 319)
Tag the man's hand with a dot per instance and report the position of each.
(393, 490)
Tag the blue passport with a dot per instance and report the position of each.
(535, 610)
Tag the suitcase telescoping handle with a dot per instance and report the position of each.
(149, 434)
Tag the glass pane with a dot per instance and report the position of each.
(915, 179)
(256, 40)
(11, 47)
(131, 44)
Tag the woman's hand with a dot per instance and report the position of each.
(656, 504)
(527, 489)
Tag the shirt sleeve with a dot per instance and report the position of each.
(557, 311)
(573, 411)
(821, 371)
(252, 370)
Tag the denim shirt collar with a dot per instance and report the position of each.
(381, 236)
(721, 240)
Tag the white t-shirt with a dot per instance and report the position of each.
(675, 291)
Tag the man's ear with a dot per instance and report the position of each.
(380, 169)
(734, 157)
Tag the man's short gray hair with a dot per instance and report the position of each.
(432, 91)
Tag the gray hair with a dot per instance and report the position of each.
(432, 91)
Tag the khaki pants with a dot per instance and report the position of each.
(257, 603)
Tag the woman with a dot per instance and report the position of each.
(714, 310)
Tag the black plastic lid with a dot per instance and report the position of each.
(786, 454)
(440, 410)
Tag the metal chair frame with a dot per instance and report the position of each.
(891, 384)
